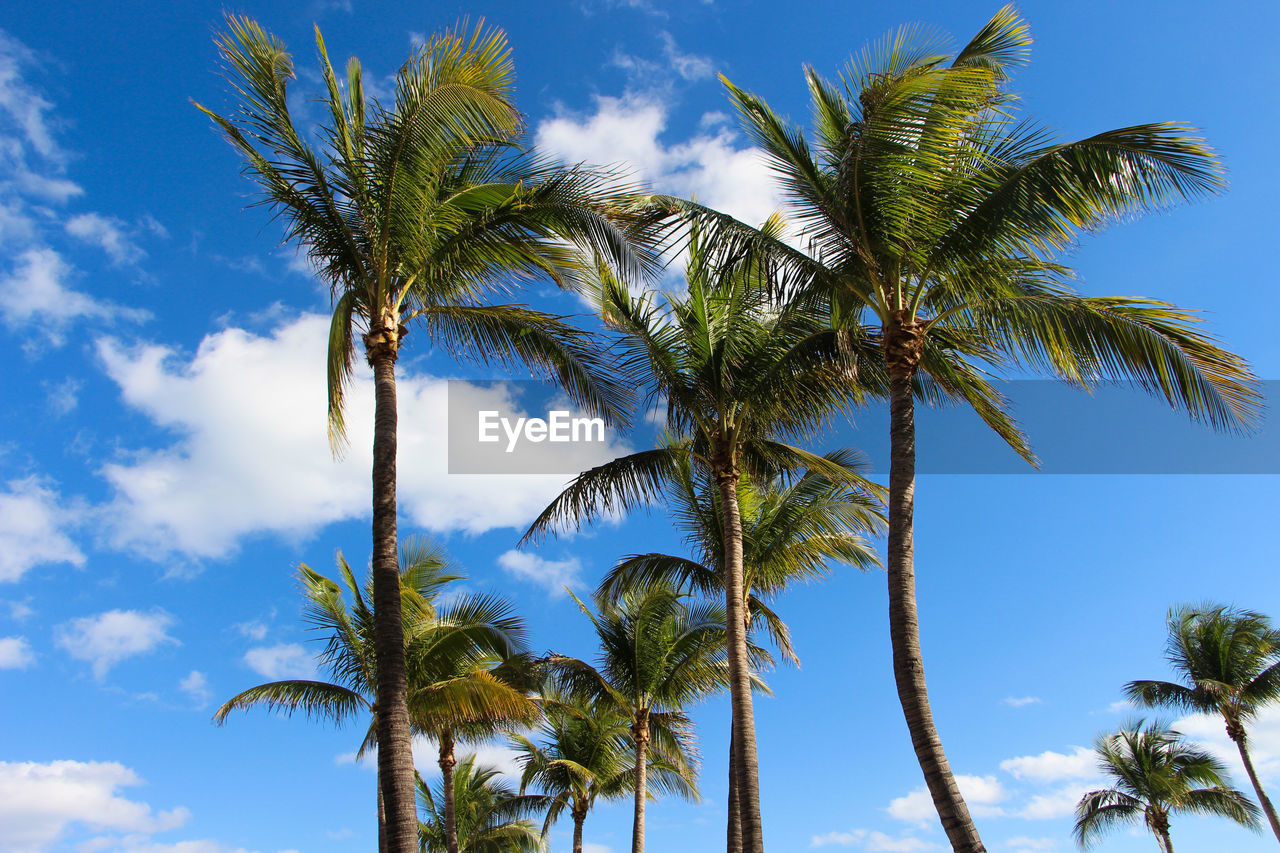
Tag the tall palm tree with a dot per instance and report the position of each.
(1229, 660)
(586, 753)
(933, 219)
(657, 656)
(1157, 775)
(439, 637)
(491, 816)
(792, 528)
(739, 377)
(416, 212)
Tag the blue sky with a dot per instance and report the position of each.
(163, 465)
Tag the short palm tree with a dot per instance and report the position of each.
(739, 377)
(1229, 661)
(491, 817)
(453, 637)
(792, 529)
(657, 656)
(416, 212)
(933, 219)
(1157, 775)
(586, 753)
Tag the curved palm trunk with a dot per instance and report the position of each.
(1236, 733)
(640, 728)
(382, 823)
(734, 831)
(395, 748)
(744, 730)
(447, 763)
(904, 628)
(579, 817)
(1160, 828)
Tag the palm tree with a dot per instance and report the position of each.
(738, 376)
(791, 530)
(587, 753)
(1230, 662)
(933, 220)
(657, 656)
(1157, 775)
(440, 637)
(491, 816)
(415, 212)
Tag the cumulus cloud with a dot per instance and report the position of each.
(1058, 803)
(15, 653)
(34, 525)
(982, 794)
(873, 840)
(1209, 731)
(1050, 766)
(253, 455)
(40, 803)
(281, 662)
(108, 638)
(35, 298)
(108, 234)
(627, 130)
(553, 575)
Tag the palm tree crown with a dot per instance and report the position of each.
(1229, 661)
(491, 816)
(1157, 775)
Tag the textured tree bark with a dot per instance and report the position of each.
(395, 747)
(725, 471)
(579, 817)
(902, 354)
(734, 831)
(640, 729)
(1236, 733)
(447, 763)
(382, 823)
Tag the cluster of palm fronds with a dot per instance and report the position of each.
(1229, 664)
(924, 265)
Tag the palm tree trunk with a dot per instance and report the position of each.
(382, 823)
(447, 762)
(1237, 734)
(734, 832)
(904, 627)
(744, 730)
(640, 728)
(579, 817)
(395, 746)
(1166, 843)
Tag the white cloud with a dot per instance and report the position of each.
(255, 629)
(34, 297)
(554, 575)
(1058, 803)
(21, 105)
(658, 73)
(64, 396)
(981, 793)
(196, 685)
(1024, 844)
(39, 803)
(592, 847)
(1021, 701)
(281, 662)
(426, 758)
(627, 130)
(108, 638)
(108, 234)
(33, 529)
(15, 653)
(253, 454)
(20, 610)
(874, 841)
(1050, 766)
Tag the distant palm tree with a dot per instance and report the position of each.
(740, 378)
(1230, 662)
(417, 212)
(657, 656)
(935, 219)
(1157, 775)
(586, 753)
(441, 637)
(792, 529)
(491, 816)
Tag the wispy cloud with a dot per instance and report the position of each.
(108, 638)
(552, 575)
